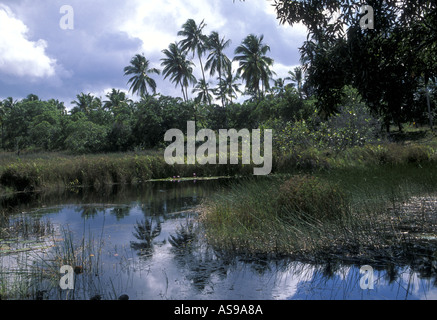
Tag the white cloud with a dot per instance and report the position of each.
(156, 23)
(18, 55)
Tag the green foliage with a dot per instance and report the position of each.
(386, 64)
(85, 137)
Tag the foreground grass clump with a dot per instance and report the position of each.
(312, 197)
(347, 212)
(271, 215)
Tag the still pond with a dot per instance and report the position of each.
(144, 242)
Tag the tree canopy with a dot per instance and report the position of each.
(387, 62)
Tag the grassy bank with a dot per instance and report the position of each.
(36, 171)
(56, 170)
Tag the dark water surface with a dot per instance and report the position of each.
(145, 242)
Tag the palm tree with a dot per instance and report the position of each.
(254, 64)
(203, 90)
(9, 103)
(195, 42)
(85, 103)
(228, 87)
(217, 60)
(296, 77)
(178, 68)
(2, 120)
(279, 86)
(139, 68)
(117, 101)
(59, 106)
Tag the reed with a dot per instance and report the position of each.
(347, 212)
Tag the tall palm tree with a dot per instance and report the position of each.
(228, 87)
(139, 68)
(296, 77)
(178, 68)
(217, 60)
(254, 65)
(2, 121)
(194, 41)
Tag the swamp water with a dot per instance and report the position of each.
(145, 242)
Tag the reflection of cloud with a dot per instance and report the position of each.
(18, 55)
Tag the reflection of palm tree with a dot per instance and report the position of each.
(146, 232)
(184, 237)
(88, 212)
(120, 212)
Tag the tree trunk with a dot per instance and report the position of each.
(428, 104)
(205, 91)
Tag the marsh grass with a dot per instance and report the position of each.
(35, 273)
(33, 173)
(353, 213)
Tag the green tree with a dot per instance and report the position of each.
(217, 60)
(203, 92)
(386, 63)
(297, 78)
(117, 101)
(83, 103)
(196, 42)
(228, 86)
(255, 65)
(140, 69)
(85, 136)
(178, 68)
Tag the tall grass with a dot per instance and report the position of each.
(57, 170)
(348, 212)
(28, 174)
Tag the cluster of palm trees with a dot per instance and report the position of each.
(255, 67)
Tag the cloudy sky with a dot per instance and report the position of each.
(38, 56)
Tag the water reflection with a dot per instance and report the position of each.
(150, 246)
(145, 231)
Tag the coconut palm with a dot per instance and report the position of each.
(117, 102)
(178, 68)
(203, 90)
(279, 86)
(194, 41)
(254, 65)
(228, 86)
(296, 77)
(9, 103)
(83, 102)
(139, 68)
(217, 60)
